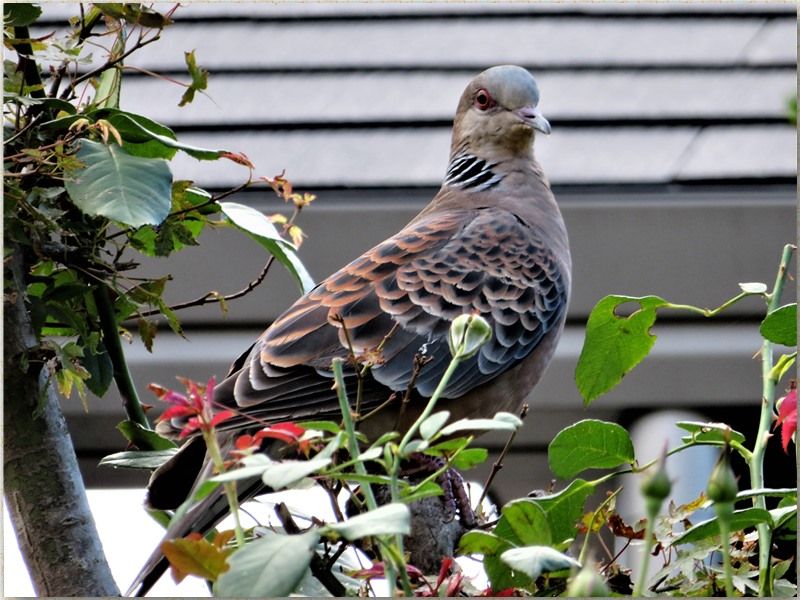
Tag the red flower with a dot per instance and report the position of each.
(787, 416)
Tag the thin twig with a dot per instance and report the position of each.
(419, 362)
(319, 568)
(140, 43)
(498, 464)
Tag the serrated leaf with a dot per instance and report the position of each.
(614, 345)
(780, 326)
(535, 560)
(261, 229)
(112, 183)
(430, 426)
(195, 555)
(394, 518)
(141, 459)
(589, 444)
(269, 567)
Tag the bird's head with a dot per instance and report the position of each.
(498, 113)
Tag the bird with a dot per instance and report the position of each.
(491, 242)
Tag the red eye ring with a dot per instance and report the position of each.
(483, 99)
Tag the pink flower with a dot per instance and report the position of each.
(787, 416)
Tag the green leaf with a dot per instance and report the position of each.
(420, 491)
(145, 439)
(99, 366)
(261, 229)
(141, 459)
(252, 466)
(565, 508)
(199, 79)
(501, 576)
(782, 515)
(780, 326)
(204, 490)
(469, 458)
(780, 492)
(129, 189)
(328, 426)
(136, 128)
(589, 444)
(430, 426)
(614, 345)
(496, 424)
(394, 518)
(526, 522)
(269, 567)
(709, 432)
(481, 542)
(741, 519)
(20, 14)
(283, 474)
(535, 560)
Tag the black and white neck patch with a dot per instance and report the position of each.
(470, 172)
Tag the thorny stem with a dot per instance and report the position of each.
(498, 464)
(763, 435)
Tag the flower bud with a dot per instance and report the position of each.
(467, 334)
(656, 487)
(722, 485)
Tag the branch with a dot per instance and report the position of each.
(318, 567)
(498, 464)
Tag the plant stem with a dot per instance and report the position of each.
(122, 376)
(230, 486)
(763, 435)
(711, 312)
(648, 536)
(725, 538)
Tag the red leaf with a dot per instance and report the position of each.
(288, 433)
(238, 157)
(221, 417)
(191, 426)
(787, 416)
(176, 411)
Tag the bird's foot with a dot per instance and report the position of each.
(455, 497)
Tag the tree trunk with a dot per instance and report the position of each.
(43, 487)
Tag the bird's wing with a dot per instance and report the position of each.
(402, 296)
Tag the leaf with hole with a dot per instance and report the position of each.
(589, 444)
(112, 183)
(614, 344)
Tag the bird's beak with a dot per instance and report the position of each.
(534, 117)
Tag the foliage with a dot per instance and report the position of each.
(89, 190)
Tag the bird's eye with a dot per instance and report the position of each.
(483, 100)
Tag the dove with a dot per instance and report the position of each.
(491, 242)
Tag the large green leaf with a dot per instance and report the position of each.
(132, 190)
(589, 444)
(524, 523)
(614, 345)
(262, 230)
(270, 567)
(565, 508)
(384, 520)
(780, 326)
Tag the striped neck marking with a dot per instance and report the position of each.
(467, 171)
